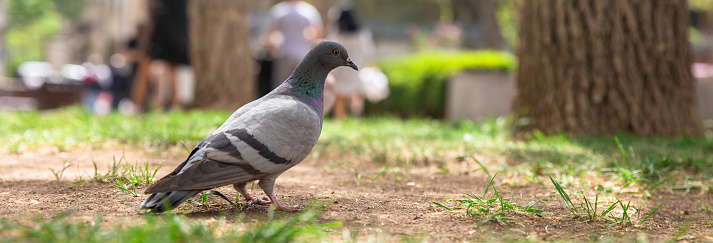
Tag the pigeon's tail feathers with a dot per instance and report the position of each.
(163, 201)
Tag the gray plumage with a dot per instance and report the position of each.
(260, 140)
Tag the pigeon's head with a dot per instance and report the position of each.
(332, 55)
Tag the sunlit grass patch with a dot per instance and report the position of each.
(74, 126)
(411, 141)
(397, 144)
(594, 173)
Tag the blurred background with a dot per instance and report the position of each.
(449, 59)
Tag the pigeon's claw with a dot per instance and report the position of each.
(250, 199)
(285, 207)
(289, 207)
(264, 200)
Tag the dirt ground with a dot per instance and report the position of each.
(374, 206)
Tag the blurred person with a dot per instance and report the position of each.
(168, 41)
(124, 65)
(346, 88)
(97, 83)
(122, 77)
(293, 28)
(160, 73)
(137, 43)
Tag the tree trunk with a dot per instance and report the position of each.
(220, 53)
(595, 67)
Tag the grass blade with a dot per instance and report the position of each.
(565, 197)
(217, 193)
(191, 201)
(489, 184)
(621, 147)
(612, 207)
(485, 169)
(649, 215)
(441, 205)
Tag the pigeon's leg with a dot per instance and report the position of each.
(268, 185)
(242, 188)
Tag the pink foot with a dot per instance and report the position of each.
(264, 200)
(289, 207)
(283, 207)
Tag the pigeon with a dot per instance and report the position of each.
(260, 140)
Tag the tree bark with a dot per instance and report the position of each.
(595, 67)
(220, 53)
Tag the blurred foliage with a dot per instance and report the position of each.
(700, 5)
(446, 10)
(397, 11)
(418, 14)
(696, 37)
(418, 82)
(70, 9)
(507, 20)
(31, 24)
(25, 12)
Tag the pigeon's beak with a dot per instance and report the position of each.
(352, 65)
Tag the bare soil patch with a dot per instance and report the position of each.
(371, 205)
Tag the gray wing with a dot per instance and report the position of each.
(269, 139)
(277, 135)
(213, 163)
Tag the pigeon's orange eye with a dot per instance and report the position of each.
(335, 52)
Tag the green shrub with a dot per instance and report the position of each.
(418, 82)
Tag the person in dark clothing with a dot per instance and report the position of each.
(169, 42)
(124, 65)
(121, 75)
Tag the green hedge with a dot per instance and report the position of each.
(418, 82)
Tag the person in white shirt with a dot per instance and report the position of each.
(294, 27)
(347, 89)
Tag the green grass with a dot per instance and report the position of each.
(302, 227)
(496, 208)
(398, 145)
(648, 162)
(139, 175)
(74, 126)
(391, 143)
(490, 207)
(589, 209)
(706, 208)
(205, 194)
(132, 175)
(59, 173)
